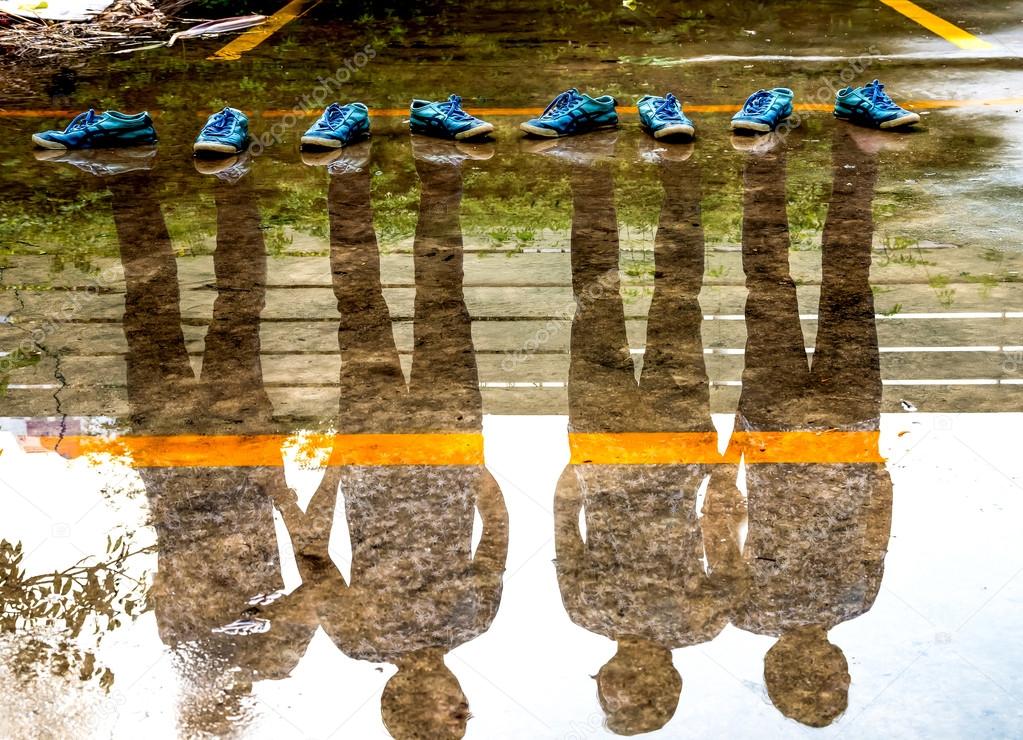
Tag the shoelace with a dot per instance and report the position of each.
(335, 115)
(564, 100)
(81, 120)
(758, 102)
(453, 109)
(669, 108)
(219, 122)
(875, 94)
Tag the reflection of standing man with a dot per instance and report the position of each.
(818, 523)
(638, 577)
(417, 590)
(216, 544)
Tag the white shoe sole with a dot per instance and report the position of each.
(209, 146)
(678, 130)
(759, 128)
(46, 143)
(905, 120)
(538, 131)
(483, 128)
(324, 143)
(552, 134)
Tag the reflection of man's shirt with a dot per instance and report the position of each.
(217, 547)
(413, 580)
(642, 569)
(817, 538)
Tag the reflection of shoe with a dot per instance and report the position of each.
(872, 141)
(756, 145)
(657, 152)
(571, 113)
(229, 169)
(103, 162)
(109, 129)
(583, 150)
(764, 110)
(870, 106)
(445, 119)
(354, 158)
(663, 117)
(449, 152)
(338, 126)
(225, 132)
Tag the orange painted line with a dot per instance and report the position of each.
(701, 448)
(830, 447)
(643, 448)
(695, 108)
(264, 450)
(407, 449)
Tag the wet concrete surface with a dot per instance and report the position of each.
(576, 438)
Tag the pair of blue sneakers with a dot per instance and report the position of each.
(341, 125)
(226, 132)
(868, 106)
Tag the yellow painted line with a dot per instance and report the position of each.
(256, 36)
(264, 450)
(403, 112)
(757, 448)
(951, 33)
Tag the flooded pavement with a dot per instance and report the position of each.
(542, 439)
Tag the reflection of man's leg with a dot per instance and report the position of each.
(158, 371)
(232, 375)
(372, 384)
(444, 388)
(602, 390)
(674, 378)
(846, 369)
(776, 372)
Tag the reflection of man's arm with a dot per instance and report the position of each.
(568, 541)
(724, 514)
(879, 529)
(310, 530)
(492, 552)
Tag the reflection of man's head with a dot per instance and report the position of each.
(423, 700)
(638, 688)
(807, 677)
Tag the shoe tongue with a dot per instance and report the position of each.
(82, 119)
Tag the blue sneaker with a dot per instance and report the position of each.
(764, 110)
(445, 119)
(573, 113)
(870, 106)
(663, 117)
(108, 129)
(339, 126)
(225, 132)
